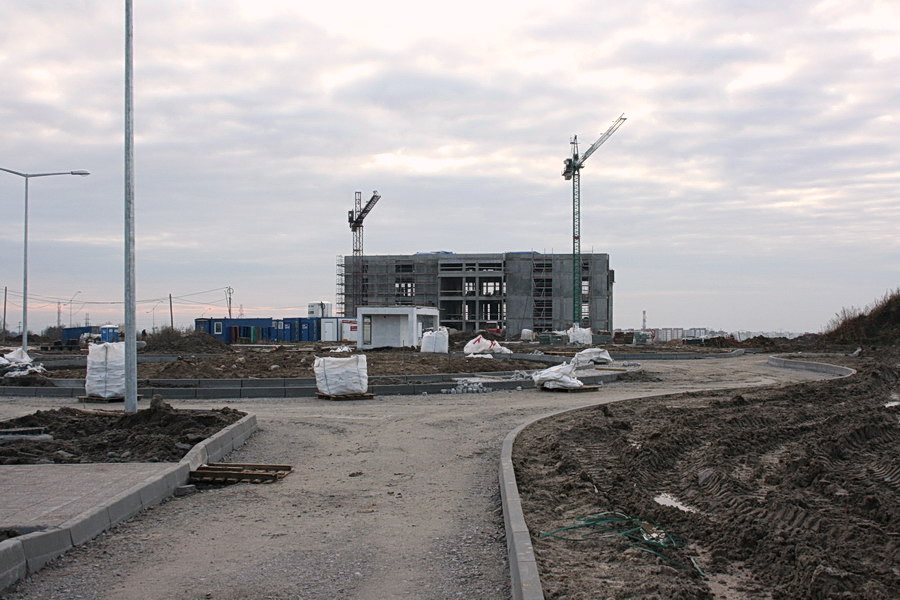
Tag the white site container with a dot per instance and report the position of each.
(331, 329)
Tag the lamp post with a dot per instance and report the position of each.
(70, 306)
(28, 176)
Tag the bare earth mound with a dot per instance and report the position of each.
(162, 434)
(781, 493)
(293, 363)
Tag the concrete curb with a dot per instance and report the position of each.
(807, 365)
(525, 578)
(26, 554)
(190, 389)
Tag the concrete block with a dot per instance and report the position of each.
(220, 383)
(218, 392)
(262, 392)
(19, 391)
(64, 392)
(41, 547)
(124, 505)
(300, 392)
(183, 383)
(196, 456)
(215, 448)
(263, 383)
(87, 526)
(13, 566)
(154, 490)
(169, 392)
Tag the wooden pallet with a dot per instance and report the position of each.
(584, 388)
(101, 400)
(228, 473)
(364, 396)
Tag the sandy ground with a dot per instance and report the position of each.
(395, 497)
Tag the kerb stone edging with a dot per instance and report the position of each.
(808, 365)
(25, 554)
(524, 576)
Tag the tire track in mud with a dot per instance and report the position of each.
(782, 493)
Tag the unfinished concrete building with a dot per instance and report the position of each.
(511, 290)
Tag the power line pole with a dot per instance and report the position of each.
(130, 302)
(171, 313)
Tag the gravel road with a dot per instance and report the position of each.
(395, 497)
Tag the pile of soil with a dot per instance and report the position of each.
(776, 493)
(170, 341)
(291, 363)
(157, 434)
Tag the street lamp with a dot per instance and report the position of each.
(28, 176)
(70, 306)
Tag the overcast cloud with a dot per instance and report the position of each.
(755, 185)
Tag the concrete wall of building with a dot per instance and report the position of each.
(463, 287)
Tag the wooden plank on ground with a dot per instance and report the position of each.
(365, 396)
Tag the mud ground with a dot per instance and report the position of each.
(395, 497)
(293, 362)
(156, 434)
(779, 493)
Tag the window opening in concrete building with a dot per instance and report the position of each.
(492, 266)
(491, 287)
(451, 267)
(405, 288)
(469, 286)
(403, 268)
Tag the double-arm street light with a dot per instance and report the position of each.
(28, 176)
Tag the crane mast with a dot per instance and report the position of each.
(572, 170)
(355, 217)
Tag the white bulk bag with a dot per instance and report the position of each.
(527, 335)
(106, 370)
(341, 376)
(580, 335)
(559, 376)
(436, 341)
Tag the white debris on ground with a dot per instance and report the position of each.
(480, 345)
(560, 376)
(591, 356)
(18, 364)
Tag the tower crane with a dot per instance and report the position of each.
(572, 170)
(355, 217)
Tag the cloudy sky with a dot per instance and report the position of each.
(755, 185)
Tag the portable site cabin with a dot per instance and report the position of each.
(394, 326)
(109, 333)
(237, 331)
(297, 329)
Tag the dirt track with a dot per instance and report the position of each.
(391, 498)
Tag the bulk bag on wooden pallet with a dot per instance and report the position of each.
(342, 376)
